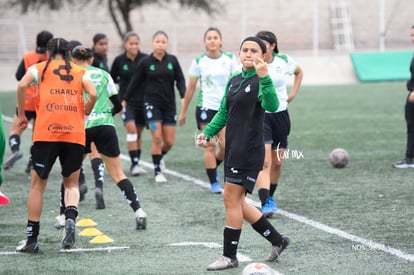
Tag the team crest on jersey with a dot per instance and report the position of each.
(64, 77)
(125, 67)
(170, 66)
(152, 67)
(247, 89)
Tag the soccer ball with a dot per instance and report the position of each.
(339, 158)
(258, 269)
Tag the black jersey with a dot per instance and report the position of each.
(242, 112)
(100, 62)
(410, 82)
(122, 71)
(160, 78)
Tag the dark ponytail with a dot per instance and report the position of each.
(269, 37)
(58, 46)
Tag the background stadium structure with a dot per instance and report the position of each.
(320, 33)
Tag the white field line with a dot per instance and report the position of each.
(325, 228)
(371, 245)
(108, 248)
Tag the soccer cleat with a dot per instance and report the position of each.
(68, 234)
(405, 163)
(137, 170)
(100, 203)
(10, 161)
(159, 177)
(60, 221)
(215, 188)
(83, 189)
(223, 263)
(141, 219)
(27, 248)
(272, 203)
(267, 209)
(277, 250)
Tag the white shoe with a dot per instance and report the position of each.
(223, 263)
(159, 177)
(137, 170)
(60, 221)
(141, 219)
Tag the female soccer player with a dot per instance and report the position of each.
(407, 161)
(29, 58)
(248, 94)
(277, 124)
(213, 68)
(133, 116)
(59, 132)
(100, 51)
(160, 71)
(100, 129)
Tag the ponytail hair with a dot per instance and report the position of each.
(57, 46)
(82, 53)
(269, 37)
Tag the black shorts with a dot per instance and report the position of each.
(155, 114)
(243, 177)
(132, 113)
(29, 114)
(277, 129)
(44, 155)
(105, 139)
(204, 116)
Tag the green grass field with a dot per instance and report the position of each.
(356, 220)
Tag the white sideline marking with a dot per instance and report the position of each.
(208, 245)
(108, 248)
(340, 233)
(325, 228)
(9, 253)
(240, 257)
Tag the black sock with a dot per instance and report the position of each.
(218, 161)
(71, 212)
(128, 190)
(14, 143)
(32, 231)
(164, 153)
(230, 242)
(212, 174)
(273, 186)
(263, 195)
(156, 159)
(98, 172)
(134, 157)
(62, 199)
(266, 229)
